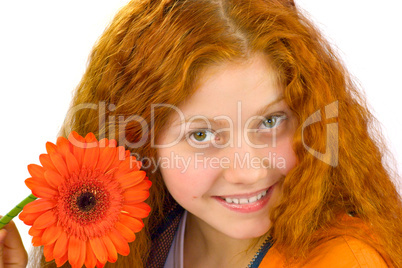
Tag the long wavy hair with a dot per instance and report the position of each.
(153, 52)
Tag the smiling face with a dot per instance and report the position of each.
(228, 148)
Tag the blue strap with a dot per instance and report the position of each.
(260, 254)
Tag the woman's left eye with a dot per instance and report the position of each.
(273, 121)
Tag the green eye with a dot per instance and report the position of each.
(273, 121)
(270, 122)
(201, 135)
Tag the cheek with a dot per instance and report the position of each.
(291, 159)
(189, 184)
(285, 157)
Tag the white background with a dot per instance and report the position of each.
(44, 46)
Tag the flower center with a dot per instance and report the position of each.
(85, 198)
(86, 201)
(89, 203)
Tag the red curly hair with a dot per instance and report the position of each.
(153, 52)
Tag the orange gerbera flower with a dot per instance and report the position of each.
(90, 201)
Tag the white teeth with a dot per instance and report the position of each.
(245, 200)
(253, 199)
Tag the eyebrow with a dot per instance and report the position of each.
(261, 112)
(202, 119)
(264, 110)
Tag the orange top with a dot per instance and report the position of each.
(340, 252)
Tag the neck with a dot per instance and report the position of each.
(207, 247)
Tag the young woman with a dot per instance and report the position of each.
(261, 150)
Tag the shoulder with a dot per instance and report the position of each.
(345, 251)
(339, 252)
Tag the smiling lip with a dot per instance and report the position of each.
(246, 203)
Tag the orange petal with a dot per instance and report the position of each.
(140, 210)
(60, 247)
(51, 234)
(47, 162)
(90, 259)
(40, 190)
(121, 159)
(50, 147)
(135, 164)
(72, 163)
(60, 164)
(103, 143)
(91, 139)
(111, 170)
(99, 249)
(36, 241)
(79, 155)
(35, 232)
(53, 178)
(76, 140)
(125, 166)
(63, 146)
(39, 205)
(119, 242)
(38, 181)
(62, 260)
(29, 218)
(142, 186)
(111, 249)
(45, 220)
(83, 255)
(91, 157)
(79, 145)
(76, 252)
(99, 264)
(112, 143)
(106, 158)
(134, 224)
(36, 171)
(125, 232)
(48, 252)
(131, 179)
(135, 196)
(44, 192)
(33, 182)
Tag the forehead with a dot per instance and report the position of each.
(252, 84)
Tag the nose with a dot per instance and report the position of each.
(247, 165)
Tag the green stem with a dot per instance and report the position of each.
(16, 210)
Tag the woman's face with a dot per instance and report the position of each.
(228, 148)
